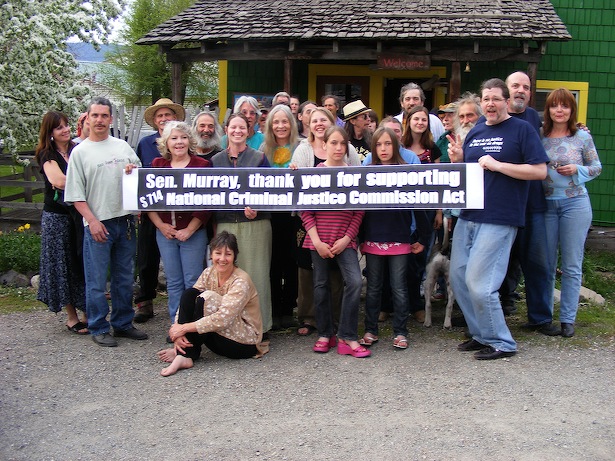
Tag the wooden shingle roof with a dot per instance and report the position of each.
(391, 20)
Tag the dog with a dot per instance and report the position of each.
(439, 264)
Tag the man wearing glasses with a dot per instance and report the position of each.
(510, 153)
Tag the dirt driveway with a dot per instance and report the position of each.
(64, 398)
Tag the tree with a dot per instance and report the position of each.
(37, 74)
(141, 74)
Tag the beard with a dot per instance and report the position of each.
(518, 105)
(463, 131)
(208, 143)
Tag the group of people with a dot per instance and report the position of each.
(535, 205)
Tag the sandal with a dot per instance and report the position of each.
(400, 342)
(306, 329)
(359, 352)
(77, 327)
(368, 339)
(324, 346)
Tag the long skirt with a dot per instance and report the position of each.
(61, 267)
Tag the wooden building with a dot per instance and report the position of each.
(369, 49)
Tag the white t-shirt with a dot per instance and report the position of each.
(94, 175)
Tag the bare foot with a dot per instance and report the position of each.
(179, 363)
(167, 355)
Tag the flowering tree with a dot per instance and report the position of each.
(37, 74)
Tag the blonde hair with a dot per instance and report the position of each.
(322, 110)
(270, 143)
(182, 127)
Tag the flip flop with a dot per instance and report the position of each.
(368, 339)
(77, 327)
(310, 329)
(400, 342)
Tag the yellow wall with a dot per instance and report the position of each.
(377, 79)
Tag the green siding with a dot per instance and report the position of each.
(590, 57)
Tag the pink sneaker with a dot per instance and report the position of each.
(359, 352)
(324, 346)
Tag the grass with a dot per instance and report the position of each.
(595, 325)
(18, 300)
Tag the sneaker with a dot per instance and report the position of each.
(104, 340)
(144, 311)
(130, 333)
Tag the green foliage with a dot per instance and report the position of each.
(140, 73)
(20, 250)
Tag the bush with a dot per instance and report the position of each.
(20, 250)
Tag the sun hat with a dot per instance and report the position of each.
(354, 108)
(180, 112)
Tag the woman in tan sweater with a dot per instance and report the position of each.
(221, 311)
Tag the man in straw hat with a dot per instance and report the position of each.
(148, 256)
(357, 122)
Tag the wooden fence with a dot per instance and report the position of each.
(21, 208)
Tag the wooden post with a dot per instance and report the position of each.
(454, 85)
(532, 69)
(288, 75)
(176, 83)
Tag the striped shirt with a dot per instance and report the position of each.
(332, 226)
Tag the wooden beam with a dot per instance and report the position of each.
(176, 82)
(526, 47)
(475, 46)
(532, 73)
(336, 47)
(428, 46)
(291, 45)
(360, 52)
(454, 84)
(288, 76)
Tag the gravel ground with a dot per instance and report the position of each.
(64, 398)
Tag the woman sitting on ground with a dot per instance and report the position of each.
(221, 311)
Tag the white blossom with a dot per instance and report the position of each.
(37, 74)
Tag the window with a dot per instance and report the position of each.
(580, 91)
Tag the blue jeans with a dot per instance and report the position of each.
(349, 316)
(479, 260)
(567, 221)
(183, 263)
(117, 257)
(532, 254)
(398, 267)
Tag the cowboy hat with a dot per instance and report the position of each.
(180, 112)
(352, 109)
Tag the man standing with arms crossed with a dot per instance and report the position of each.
(510, 152)
(93, 185)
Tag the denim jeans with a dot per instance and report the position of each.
(349, 316)
(567, 222)
(532, 254)
(183, 263)
(117, 257)
(479, 260)
(398, 266)
(148, 260)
